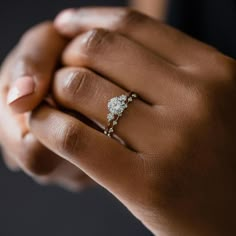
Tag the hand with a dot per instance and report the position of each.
(36, 56)
(177, 171)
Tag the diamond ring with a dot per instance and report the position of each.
(116, 107)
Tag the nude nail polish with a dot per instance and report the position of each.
(22, 87)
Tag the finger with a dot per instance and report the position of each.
(22, 146)
(166, 41)
(124, 62)
(9, 161)
(35, 159)
(67, 176)
(100, 157)
(76, 185)
(32, 157)
(31, 67)
(84, 91)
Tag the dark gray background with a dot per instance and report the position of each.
(27, 209)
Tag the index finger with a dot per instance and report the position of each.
(168, 42)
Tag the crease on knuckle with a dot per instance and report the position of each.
(219, 67)
(68, 141)
(96, 41)
(23, 65)
(74, 84)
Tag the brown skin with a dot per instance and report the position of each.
(36, 54)
(154, 8)
(177, 176)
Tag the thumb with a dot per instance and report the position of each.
(31, 67)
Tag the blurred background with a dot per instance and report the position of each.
(28, 209)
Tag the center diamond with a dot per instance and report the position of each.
(117, 105)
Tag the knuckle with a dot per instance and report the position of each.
(74, 86)
(128, 18)
(96, 41)
(24, 64)
(209, 101)
(213, 95)
(27, 35)
(26, 58)
(220, 68)
(68, 141)
(227, 68)
(197, 108)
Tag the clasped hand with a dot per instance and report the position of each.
(175, 166)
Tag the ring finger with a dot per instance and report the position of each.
(84, 91)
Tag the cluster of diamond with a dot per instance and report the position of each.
(116, 107)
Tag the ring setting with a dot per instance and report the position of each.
(116, 106)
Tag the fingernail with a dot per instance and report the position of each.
(22, 87)
(64, 17)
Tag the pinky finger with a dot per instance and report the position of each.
(101, 158)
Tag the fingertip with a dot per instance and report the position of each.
(63, 22)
